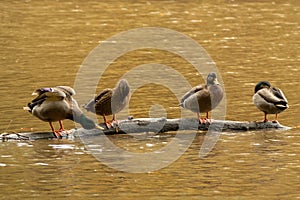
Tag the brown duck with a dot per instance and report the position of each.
(110, 102)
(269, 100)
(56, 104)
(203, 98)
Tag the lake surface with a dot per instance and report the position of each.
(45, 43)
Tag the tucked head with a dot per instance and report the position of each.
(124, 86)
(261, 85)
(212, 78)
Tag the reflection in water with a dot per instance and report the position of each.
(242, 164)
(44, 44)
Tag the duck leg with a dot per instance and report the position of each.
(61, 128)
(207, 118)
(107, 123)
(56, 133)
(114, 119)
(265, 118)
(276, 117)
(52, 128)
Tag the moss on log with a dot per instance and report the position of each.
(154, 125)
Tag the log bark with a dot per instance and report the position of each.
(150, 125)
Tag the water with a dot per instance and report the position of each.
(44, 44)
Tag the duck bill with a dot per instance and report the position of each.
(216, 82)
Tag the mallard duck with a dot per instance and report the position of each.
(57, 104)
(203, 98)
(268, 99)
(110, 102)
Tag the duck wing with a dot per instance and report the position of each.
(103, 102)
(194, 90)
(104, 96)
(110, 101)
(54, 93)
(274, 96)
(42, 95)
(198, 98)
(98, 101)
(283, 103)
(278, 93)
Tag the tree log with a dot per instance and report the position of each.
(153, 125)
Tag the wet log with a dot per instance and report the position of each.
(150, 125)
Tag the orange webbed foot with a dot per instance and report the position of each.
(209, 120)
(57, 134)
(112, 124)
(202, 120)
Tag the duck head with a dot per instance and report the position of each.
(261, 85)
(212, 79)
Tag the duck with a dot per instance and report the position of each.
(53, 104)
(269, 99)
(204, 97)
(110, 102)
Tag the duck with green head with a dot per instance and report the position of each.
(270, 100)
(203, 98)
(56, 104)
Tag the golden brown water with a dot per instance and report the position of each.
(43, 43)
